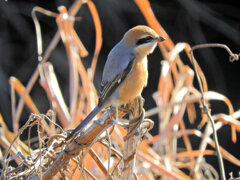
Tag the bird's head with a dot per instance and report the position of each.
(142, 39)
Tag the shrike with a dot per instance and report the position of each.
(125, 73)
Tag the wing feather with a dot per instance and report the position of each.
(116, 69)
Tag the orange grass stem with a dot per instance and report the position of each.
(159, 167)
(19, 88)
(73, 10)
(98, 29)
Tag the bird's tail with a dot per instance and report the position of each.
(78, 129)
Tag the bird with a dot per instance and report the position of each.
(125, 73)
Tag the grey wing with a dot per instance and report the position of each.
(116, 69)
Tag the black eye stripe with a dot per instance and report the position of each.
(144, 40)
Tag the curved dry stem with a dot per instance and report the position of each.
(98, 43)
(206, 110)
(73, 10)
(38, 28)
(31, 118)
(232, 57)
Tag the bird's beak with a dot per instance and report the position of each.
(159, 39)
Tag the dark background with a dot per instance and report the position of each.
(190, 21)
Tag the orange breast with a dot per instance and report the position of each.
(134, 83)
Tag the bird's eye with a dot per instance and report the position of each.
(144, 40)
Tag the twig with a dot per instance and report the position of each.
(31, 118)
(99, 162)
(45, 174)
(109, 153)
(40, 148)
(13, 107)
(233, 57)
(132, 138)
(204, 107)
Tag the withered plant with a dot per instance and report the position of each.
(107, 149)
